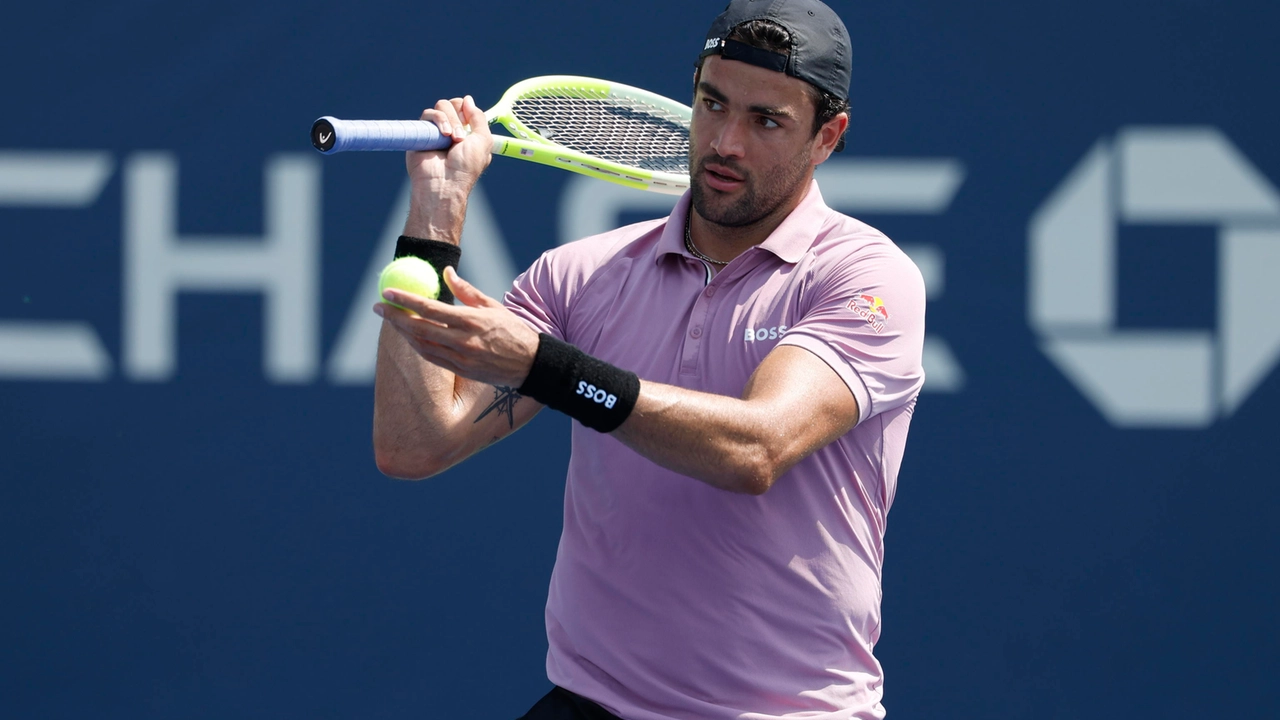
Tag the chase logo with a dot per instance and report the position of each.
(1151, 377)
(870, 308)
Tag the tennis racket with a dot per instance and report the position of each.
(598, 128)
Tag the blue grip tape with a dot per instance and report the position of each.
(330, 135)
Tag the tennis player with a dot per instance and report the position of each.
(742, 373)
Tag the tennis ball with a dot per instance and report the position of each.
(409, 274)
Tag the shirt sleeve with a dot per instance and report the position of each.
(535, 297)
(864, 317)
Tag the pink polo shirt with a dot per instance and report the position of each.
(670, 598)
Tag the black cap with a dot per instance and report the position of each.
(819, 42)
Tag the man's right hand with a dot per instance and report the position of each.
(442, 180)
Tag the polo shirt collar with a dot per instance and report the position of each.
(672, 240)
(797, 233)
(789, 241)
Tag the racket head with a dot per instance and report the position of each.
(604, 129)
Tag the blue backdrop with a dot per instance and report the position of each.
(191, 523)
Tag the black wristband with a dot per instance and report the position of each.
(591, 391)
(437, 252)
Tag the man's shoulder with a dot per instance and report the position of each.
(594, 251)
(844, 239)
(562, 272)
(832, 235)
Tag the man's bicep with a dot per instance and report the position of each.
(809, 403)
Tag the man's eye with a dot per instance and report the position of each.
(713, 105)
(769, 122)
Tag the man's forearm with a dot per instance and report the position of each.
(793, 405)
(414, 409)
(414, 400)
(437, 211)
(432, 407)
(719, 440)
(421, 424)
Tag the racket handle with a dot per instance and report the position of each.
(330, 135)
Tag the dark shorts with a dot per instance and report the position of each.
(560, 704)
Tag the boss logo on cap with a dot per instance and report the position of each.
(712, 43)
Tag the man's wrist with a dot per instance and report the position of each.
(587, 389)
(437, 212)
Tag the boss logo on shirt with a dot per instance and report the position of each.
(595, 394)
(870, 308)
(762, 334)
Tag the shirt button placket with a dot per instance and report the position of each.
(693, 344)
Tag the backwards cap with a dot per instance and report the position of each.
(819, 42)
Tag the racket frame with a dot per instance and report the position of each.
(527, 144)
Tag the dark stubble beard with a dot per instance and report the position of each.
(760, 199)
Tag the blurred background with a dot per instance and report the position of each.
(191, 523)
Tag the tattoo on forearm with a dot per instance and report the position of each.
(504, 402)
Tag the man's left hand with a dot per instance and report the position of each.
(480, 339)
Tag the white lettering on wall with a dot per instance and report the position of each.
(283, 265)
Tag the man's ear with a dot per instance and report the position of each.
(829, 136)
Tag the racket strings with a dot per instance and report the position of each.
(617, 129)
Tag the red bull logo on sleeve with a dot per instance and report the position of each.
(872, 309)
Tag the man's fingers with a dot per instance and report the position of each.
(426, 326)
(406, 308)
(459, 317)
(485, 344)
(439, 119)
(447, 116)
(474, 116)
(465, 292)
(406, 301)
(449, 111)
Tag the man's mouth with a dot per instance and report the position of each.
(721, 177)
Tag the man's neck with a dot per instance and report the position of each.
(725, 243)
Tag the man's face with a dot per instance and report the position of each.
(751, 147)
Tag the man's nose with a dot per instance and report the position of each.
(729, 141)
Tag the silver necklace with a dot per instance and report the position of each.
(688, 244)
